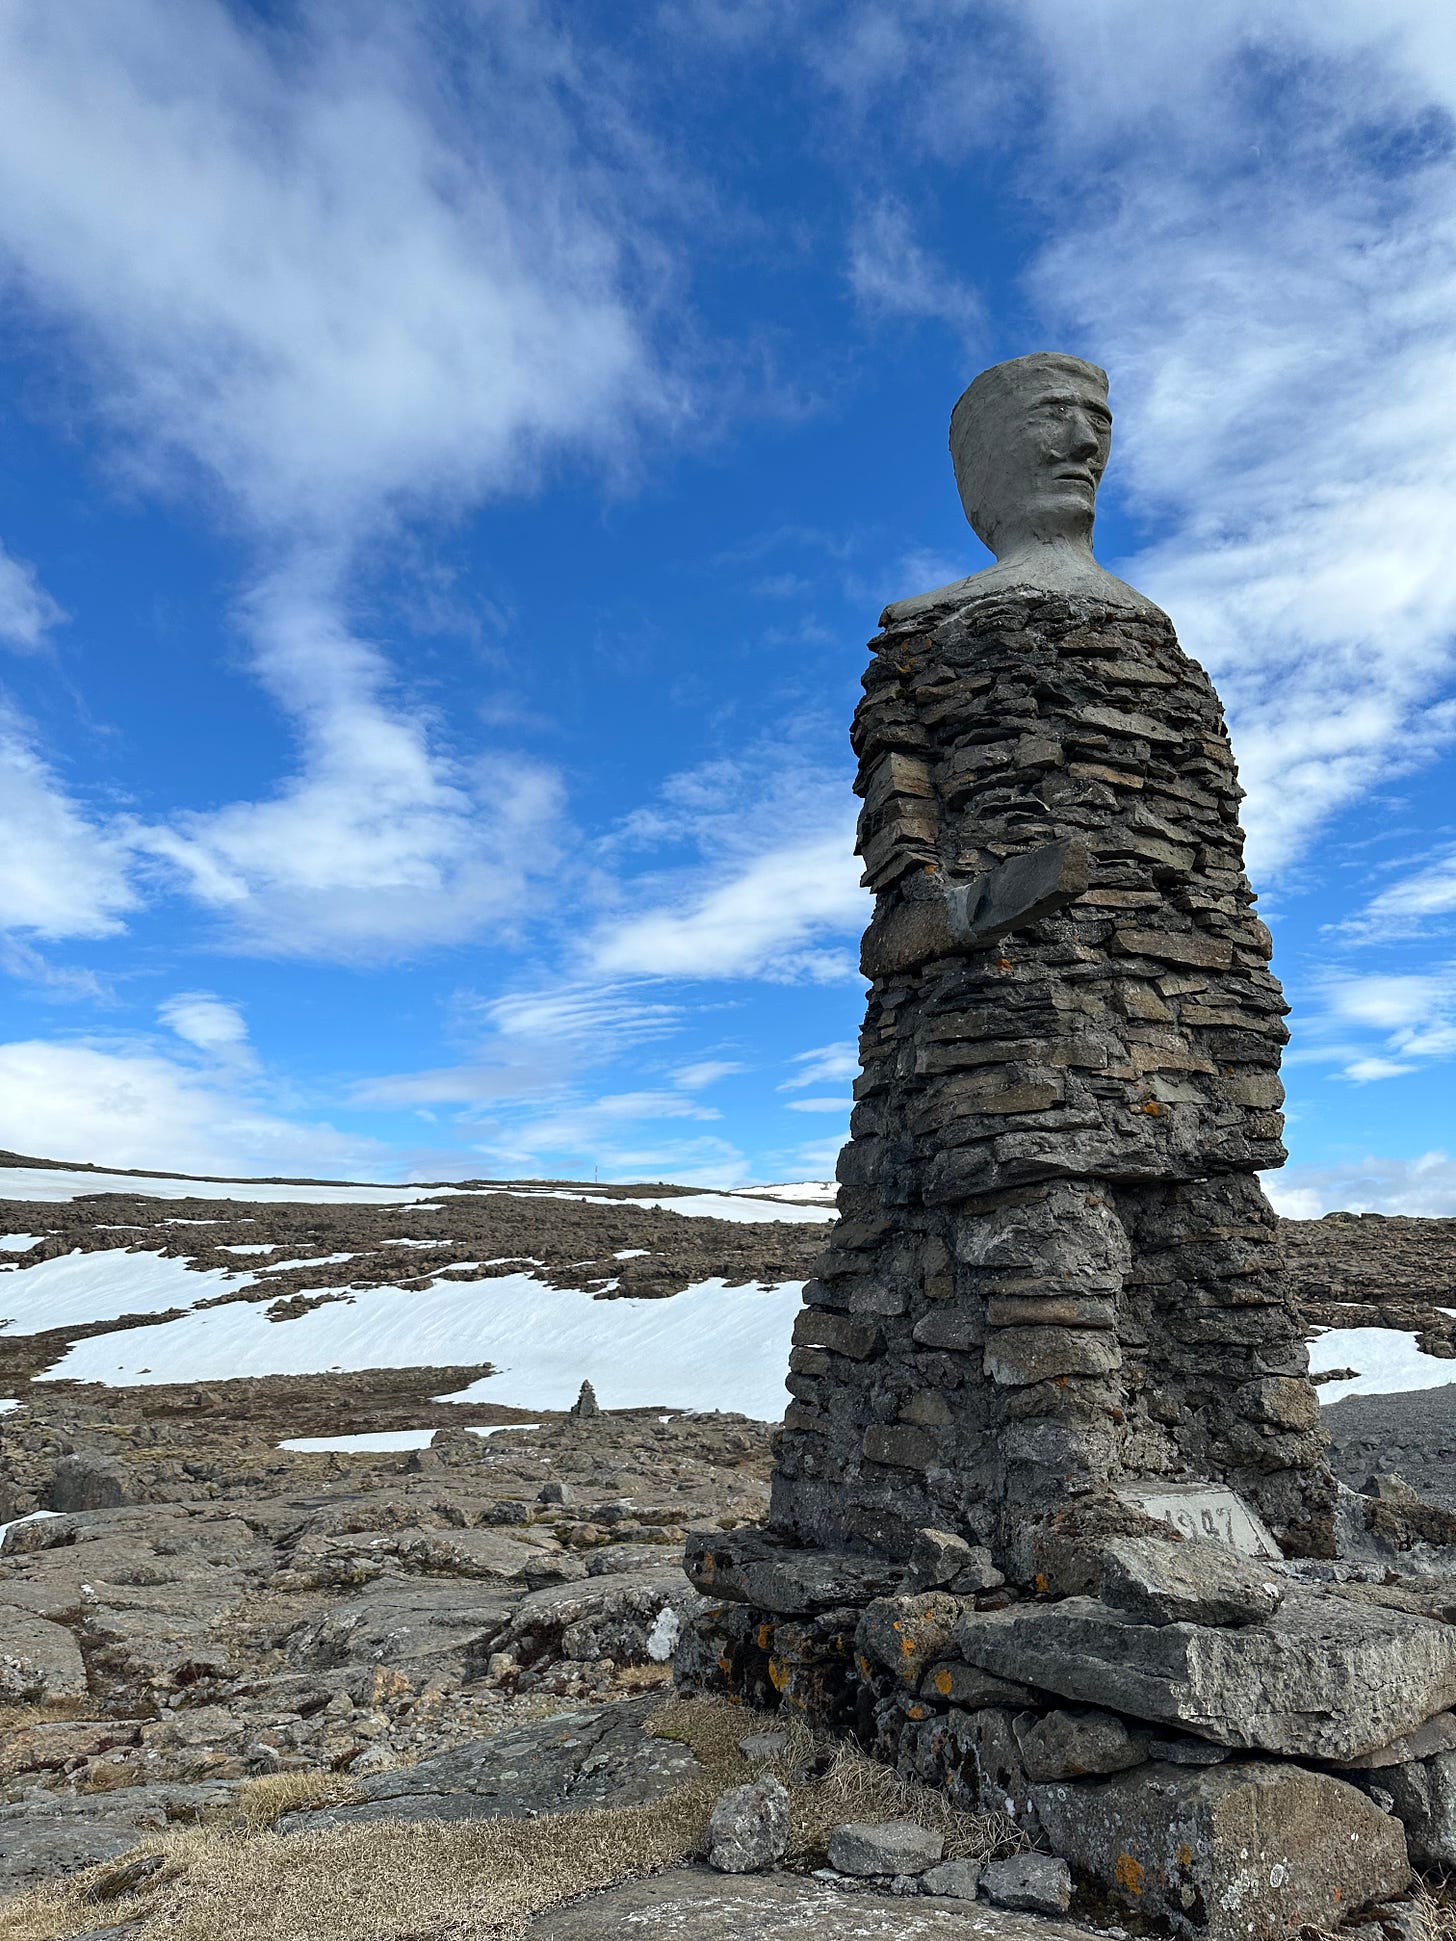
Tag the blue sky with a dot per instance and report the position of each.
(454, 454)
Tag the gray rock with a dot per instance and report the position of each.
(961, 1684)
(612, 1616)
(749, 1829)
(907, 1634)
(884, 1847)
(1072, 1745)
(38, 1659)
(442, 1623)
(957, 1878)
(1192, 1582)
(752, 1567)
(1423, 1798)
(47, 1834)
(600, 1757)
(1436, 1735)
(1181, 1751)
(692, 1904)
(1034, 1882)
(940, 1560)
(87, 1482)
(1323, 1678)
(1244, 1848)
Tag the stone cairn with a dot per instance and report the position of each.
(1052, 1525)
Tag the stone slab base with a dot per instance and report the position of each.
(1209, 1840)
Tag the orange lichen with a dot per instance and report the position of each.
(1128, 1873)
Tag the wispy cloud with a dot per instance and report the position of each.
(1423, 896)
(328, 292)
(1425, 1185)
(62, 873)
(532, 1045)
(209, 1024)
(1375, 1025)
(774, 892)
(27, 611)
(140, 1108)
(892, 274)
(823, 1064)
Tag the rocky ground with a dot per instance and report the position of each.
(212, 1636)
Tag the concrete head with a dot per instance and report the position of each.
(1029, 441)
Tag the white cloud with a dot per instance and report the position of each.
(892, 274)
(301, 262)
(818, 1159)
(309, 277)
(694, 1078)
(776, 894)
(1365, 1071)
(210, 1024)
(69, 1101)
(820, 1105)
(770, 920)
(616, 1135)
(381, 846)
(61, 873)
(1411, 1015)
(1422, 1186)
(528, 1045)
(1271, 288)
(27, 611)
(1410, 904)
(823, 1064)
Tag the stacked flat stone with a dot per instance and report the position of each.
(1054, 1271)
(1048, 1378)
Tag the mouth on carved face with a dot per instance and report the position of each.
(1076, 475)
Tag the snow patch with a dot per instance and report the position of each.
(61, 1183)
(367, 1439)
(824, 1190)
(711, 1347)
(16, 1243)
(316, 1260)
(1387, 1362)
(81, 1287)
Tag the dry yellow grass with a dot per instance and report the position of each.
(20, 1718)
(465, 1881)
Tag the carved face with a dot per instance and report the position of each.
(1054, 453)
(1033, 455)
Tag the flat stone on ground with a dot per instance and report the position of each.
(38, 1659)
(691, 1904)
(1034, 1882)
(595, 1758)
(883, 1847)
